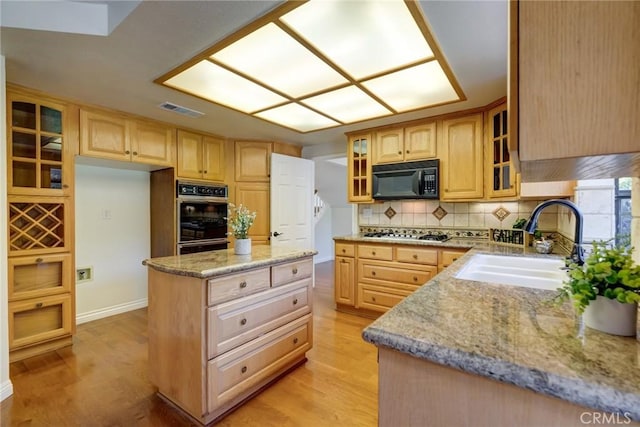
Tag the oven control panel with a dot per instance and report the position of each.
(199, 190)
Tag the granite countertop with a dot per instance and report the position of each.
(205, 265)
(515, 335)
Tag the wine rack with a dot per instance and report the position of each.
(37, 225)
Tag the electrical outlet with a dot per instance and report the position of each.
(84, 274)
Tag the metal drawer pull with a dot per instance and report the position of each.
(343, 261)
(295, 270)
(415, 279)
(344, 251)
(373, 253)
(243, 284)
(415, 256)
(295, 301)
(39, 260)
(243, 322)
(39, 305)
(373, 299)
(373, 273)
(135, 153)
(244, 369)
(295, 340)
(127, 152)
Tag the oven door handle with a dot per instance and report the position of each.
(202, 242)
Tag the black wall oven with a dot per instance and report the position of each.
(202, 213)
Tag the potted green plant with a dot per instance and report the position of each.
(606, 288)
(239, 220)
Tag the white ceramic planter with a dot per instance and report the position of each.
(242, 247)
(611, 316)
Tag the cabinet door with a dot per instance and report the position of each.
(39, 319)
(189, 155)
(389, 146)
(500, 173)
(104, 135)
(213, 158)
(420, 142)
(38, 276)
(255, 196)
(345, 280)
(40, 158)
(253, 160)
(359, 169)
(461, 158)
(152, 143)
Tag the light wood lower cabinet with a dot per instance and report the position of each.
(215, 342)
(39, 320)
(370, 278)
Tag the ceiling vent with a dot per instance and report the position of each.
(169, 106)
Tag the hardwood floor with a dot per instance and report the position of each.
(102, 380)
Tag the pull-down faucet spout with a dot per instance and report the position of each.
(577, 254)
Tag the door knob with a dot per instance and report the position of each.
(276, 234)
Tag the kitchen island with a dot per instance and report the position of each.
(459, 353)
(222, 326)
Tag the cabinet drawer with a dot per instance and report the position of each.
(39, 276)
(246, 366)
(375, 252)
(345, 249)
(39, 319)
(286, 273)
(237, 285)
(237, 322)
(449, 256)
(388, 272)
(417, 255)
(378, 298)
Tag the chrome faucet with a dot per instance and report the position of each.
(577, 254)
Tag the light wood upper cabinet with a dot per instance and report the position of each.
(200, 156)
(359, 177)
(577, 93)
(460, 148)
(500, 174)
(253, 161)
(405, 144)
(256, 197)
(118, 137)
(39, 151)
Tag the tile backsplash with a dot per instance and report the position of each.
(472, 215)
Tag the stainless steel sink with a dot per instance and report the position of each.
(530, 272)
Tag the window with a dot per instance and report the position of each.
(623, 209)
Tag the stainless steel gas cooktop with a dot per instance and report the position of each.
(417, 236)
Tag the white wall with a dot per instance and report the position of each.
(323, 237)
(112, 237)
(6, 388)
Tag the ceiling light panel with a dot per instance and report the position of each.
(297, 117)
(348, 105)
(219, 85)
(273, 57)
(416, 87)
(363, 38)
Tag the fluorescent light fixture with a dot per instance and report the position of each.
(298, 117)
(274, 58)
(414, 87)
(349, 104)
(319, 64)
(361, 37)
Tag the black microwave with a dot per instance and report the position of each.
(410, 180)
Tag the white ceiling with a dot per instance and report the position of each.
(117, 70)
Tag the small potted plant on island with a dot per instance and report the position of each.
(240, 219)
(606, 289)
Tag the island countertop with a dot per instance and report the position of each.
(515, 335)
(205, 265)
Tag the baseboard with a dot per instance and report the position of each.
(6, 390)
(318, 260)
(110, 311)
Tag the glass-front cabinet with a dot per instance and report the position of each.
(359, 168)
(38, 152)
(501, 173)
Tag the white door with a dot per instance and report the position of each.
(292, 182)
